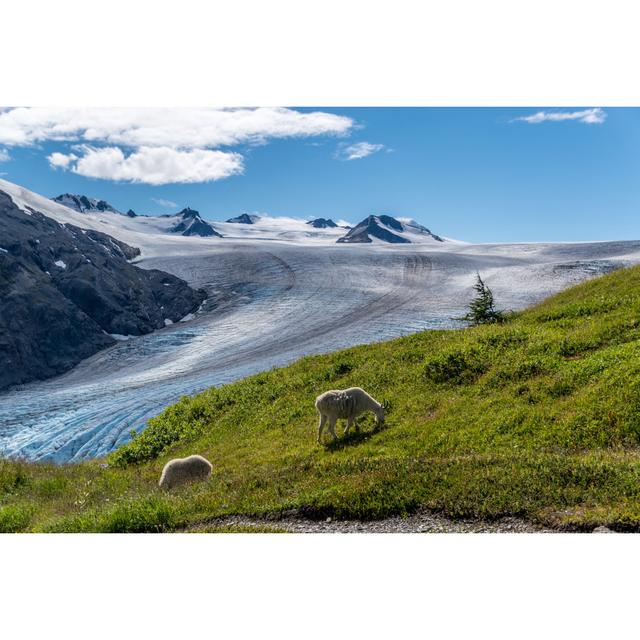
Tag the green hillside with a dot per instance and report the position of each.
(538, 417)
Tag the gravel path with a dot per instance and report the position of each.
(420, 522)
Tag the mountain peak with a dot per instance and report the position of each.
(245, 218)
(83, 204)
(193, 225)
(188, 212)
(386, 228)
(322, 223)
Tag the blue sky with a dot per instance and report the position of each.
(477, 174)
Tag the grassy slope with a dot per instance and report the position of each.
(539, 417)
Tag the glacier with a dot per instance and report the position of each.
(270, 302)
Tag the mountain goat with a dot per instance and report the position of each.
(347, 404)
(181, 470)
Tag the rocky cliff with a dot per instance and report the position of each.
(64, 290)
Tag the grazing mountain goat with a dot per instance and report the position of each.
(346, 403)
(181, 470)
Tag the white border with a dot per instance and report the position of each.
(318, 586)
(328, 53)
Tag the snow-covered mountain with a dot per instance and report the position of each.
(322, 223)
(244, 218)
(373, 229)
(187, 222)
(153, 234)
(383, 228)
(83, 204)
(193, 225)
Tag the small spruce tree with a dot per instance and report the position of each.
(481, 308)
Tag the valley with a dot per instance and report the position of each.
(270, 301)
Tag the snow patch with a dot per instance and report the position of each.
(167, 322)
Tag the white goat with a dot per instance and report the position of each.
(346, 403)
(181, 470)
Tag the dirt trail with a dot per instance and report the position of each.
(421, 522)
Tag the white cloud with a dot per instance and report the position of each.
(163, 145)
(357, 150)
(61, 160)
(151, 165)
(164, 203)
(179, 128)
(588, 116)
(4, 155)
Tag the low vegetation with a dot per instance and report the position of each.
(538, 417)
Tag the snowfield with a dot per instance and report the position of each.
(271, 301)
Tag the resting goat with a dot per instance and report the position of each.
(346, 403)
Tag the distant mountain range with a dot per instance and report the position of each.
(188, 222)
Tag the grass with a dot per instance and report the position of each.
(538, 417)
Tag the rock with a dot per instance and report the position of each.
(63, 290)
(602, 529)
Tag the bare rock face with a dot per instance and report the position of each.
(63, 290)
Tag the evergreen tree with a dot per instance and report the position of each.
(481, 308)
